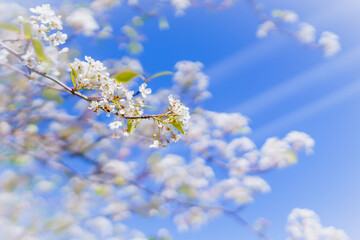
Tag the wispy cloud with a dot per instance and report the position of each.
(243, 58)
(326, 102)
(299, 84)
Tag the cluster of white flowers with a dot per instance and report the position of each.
(180, 178)
(180, 111)
(330, 42)
(118, 100)
(44, 21)
(101, 5)
(281, 153)
(288, 16)
(306, 33)
(265, 28)
(93, 75)
(195, 217)
(40, 27)
(180, 6)
(126, 63)
(190, 77)
(121, 169)
(240, 190)
(83, 21)
(305, 224)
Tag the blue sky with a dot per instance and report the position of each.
(281, 86)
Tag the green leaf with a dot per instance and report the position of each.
(69, 131)
(74, 75)
(130, 32)
(73, 80)
(9, 27)
(163, 24)
(177, 124)
(131, 125)
(161, 74)
(27, 31)
(135, 47)
(187, 190)
(125, 76)
(292, 157)
(138, 21)
(52, 94)
(39, 50)
(100, 191)
(73, 71)
(277, 13)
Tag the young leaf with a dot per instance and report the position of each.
(135, 47)
(176, 123)
(27, 31)
(187, 190)
(131, 125)
(125, 76)
(163, 23)
(292, 157)
(73, 80)
(74, 75)
(138, 21)
(52, 94)
(39, 50)
(73, 71)
(161, 74)
(9, 27)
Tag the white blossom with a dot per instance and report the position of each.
(330, 42)
(289, 16)
(305, 224)
(144, 91)
(115, 125)
(306, 33)
(156, 144)
(265, 28)
(180, 6)
(82, 19)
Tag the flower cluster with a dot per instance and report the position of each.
(115, 97)
(189, 77)
(305, 224)
(181, 112)
(180, 6)
(83, 21)
(45, 21)
(118, 100)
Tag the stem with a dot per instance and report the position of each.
(63, 85)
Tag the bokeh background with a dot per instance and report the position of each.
(281, 86)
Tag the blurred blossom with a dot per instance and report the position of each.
(305, 224)
(180, 6)
(82, 20)
(289, 16)
(330, 42)
(306, 33)
(265, 28)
